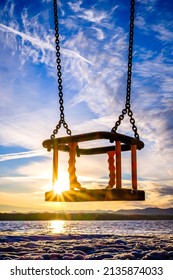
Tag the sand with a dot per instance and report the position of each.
(86, 247)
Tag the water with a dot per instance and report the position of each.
(29, 228)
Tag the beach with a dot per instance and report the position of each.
(86, 240)
(86, 247)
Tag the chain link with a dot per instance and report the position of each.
(59, 77)
(127, 109)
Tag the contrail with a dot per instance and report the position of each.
(40, 43)
(28, 154)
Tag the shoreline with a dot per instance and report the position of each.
(79, 217)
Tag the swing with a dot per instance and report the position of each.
(70, 144)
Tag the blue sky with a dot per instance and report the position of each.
(94, 49)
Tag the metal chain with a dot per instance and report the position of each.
(59, 77)
(127, 108)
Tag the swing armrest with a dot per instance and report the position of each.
(112, 137)
(93, 151)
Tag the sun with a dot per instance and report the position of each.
(62, 184)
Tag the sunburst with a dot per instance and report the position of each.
(62, 184)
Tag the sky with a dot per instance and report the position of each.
(94, 51)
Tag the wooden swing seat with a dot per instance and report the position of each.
(96, 195)
(123, 143)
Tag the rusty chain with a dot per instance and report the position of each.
(59, 77)
(127, 109)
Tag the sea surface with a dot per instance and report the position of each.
(143, 227)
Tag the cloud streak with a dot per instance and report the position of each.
(29, 154)
(41, 44)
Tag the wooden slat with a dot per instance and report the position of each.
(118, 164)
(55, 165)
(134, 167)
(96, 195)
(72, 169)
(94, 151)
(111, 167)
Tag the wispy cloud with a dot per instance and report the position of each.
(163, 33)
(29, 154)
(92, 13)
(34, 41)
(41, 44)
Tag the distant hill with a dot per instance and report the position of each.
(146, 211)
(133, 214)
